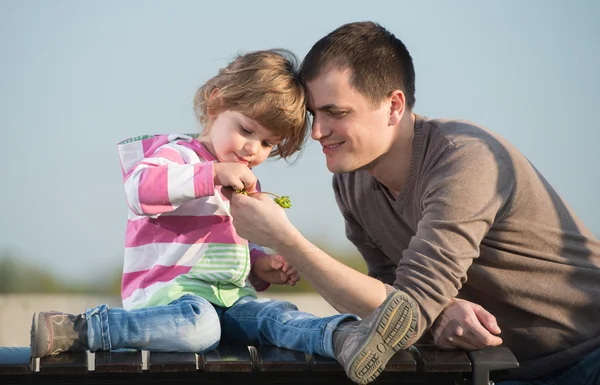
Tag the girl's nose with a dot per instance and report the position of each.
(251, 147)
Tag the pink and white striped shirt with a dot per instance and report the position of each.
(179, 238)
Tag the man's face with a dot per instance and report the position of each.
(352, 132)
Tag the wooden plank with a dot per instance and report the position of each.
(15, 360)
(274, 359)
(64, 364)
(325, 364)
(433, 359)
(228, 359)
(402, 361)
(172, 362)
(129, 361)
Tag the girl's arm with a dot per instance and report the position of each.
(164, 181)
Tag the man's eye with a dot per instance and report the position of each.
(338, 114)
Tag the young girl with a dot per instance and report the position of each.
(189, 281)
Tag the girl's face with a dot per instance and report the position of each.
(233, 137)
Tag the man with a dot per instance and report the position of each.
(446, 211)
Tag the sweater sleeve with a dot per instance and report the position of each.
(462, 194)
(162, 182)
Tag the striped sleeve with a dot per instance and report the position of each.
(162, 182)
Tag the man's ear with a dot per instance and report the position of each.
(397, 107)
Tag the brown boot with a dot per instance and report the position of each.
(364, 347)
(55, 332)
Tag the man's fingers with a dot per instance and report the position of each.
(479, 336)
(457, 343)
(487, 319)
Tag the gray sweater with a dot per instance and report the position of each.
(475, 220)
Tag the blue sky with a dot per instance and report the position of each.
(76, 77)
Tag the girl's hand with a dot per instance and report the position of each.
(274, 269)
(260, 220)
(235, 175)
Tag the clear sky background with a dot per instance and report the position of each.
(76, 77)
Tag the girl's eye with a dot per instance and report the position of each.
(267, 144)
(245, 130)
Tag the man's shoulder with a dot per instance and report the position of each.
(456, 130)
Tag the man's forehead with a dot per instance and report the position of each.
(329, 88)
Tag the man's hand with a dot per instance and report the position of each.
(235, 175)
(260, 220)
(465, 325)
(273, 268)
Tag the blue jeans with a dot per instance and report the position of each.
(584, 372)
(192, 324)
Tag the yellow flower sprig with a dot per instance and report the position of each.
(283, 201)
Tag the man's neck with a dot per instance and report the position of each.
(393, 168)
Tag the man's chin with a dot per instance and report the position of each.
(339, 168)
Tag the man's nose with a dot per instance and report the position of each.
(318, 129)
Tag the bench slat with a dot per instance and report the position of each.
(402, 361)
(64, 363)
(228, 359)
(274, 359)
(15, 361)
(325, 364)
(172, 362)
(119, 362)
(433, 359)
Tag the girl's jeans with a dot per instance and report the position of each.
(192, 324)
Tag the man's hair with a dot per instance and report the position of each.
(264, 86)
(378, 61)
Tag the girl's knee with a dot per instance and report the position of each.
(204, 340)
(202, 336)
(200, 328)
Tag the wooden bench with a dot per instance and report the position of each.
(421, 364)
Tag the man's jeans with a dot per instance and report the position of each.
(192, 324)
(585, 372)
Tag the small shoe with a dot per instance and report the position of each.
(364, 347)
(56, 332)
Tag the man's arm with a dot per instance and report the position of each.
(260, 220)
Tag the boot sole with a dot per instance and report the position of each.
(395, 325)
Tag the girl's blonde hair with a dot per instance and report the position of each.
(264, 86)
